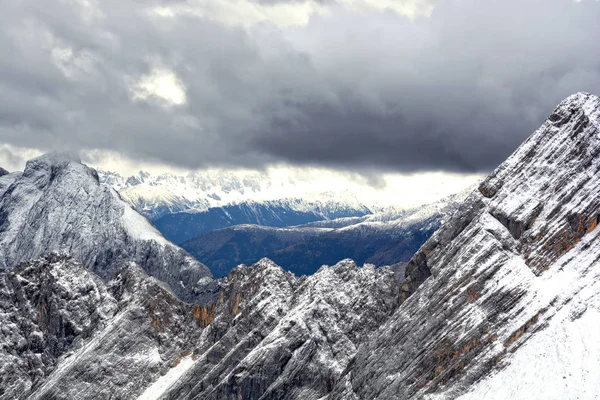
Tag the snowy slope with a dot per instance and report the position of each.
(499, 302)
(58, 204)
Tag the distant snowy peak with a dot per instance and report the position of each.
(158, 195)
(58, 204)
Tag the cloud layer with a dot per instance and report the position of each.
(396, 85)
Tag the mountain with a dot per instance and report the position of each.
(253, 197)
(286, 338)
(503, 301)
(182, 227)
(67, 334)
(58, 204)
(383, 238)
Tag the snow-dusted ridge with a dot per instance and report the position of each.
(58, 204)
(498, 296)
(158, 195)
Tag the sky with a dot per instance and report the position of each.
(379, 88)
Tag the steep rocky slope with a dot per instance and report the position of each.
(68, 335)
(283, 337)
(46, 307)
(58, 204)
(501, 301)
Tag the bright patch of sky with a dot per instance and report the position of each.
(162, 84)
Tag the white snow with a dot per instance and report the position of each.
(139, 227)
(560, 362)
(160, 386)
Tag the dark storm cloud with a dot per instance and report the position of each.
(456, 91)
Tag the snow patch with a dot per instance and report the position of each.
(158, 388)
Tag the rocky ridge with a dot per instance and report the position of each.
(515, 269)
(269, 333)
(507, 290)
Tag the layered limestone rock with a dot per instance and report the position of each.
(275, 336)
(66, 334)
(517, 261)
(58, 204)
(47, 307)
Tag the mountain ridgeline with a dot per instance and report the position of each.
(503, 301)
(184, 226)
(379, 239)
(302, 234)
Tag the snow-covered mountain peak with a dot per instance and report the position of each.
(58, 204)
(158, 195)
(55, 158)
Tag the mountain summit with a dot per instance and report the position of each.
(502, 301)
(58, 204)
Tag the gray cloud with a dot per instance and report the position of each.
(456, 91)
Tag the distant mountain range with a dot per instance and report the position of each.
(383, 238)
(217, 218)
(156, 196)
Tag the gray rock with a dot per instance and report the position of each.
(495, 276)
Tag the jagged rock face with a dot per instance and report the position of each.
(275, 336)
(269, 335)
(3, 172)
(511, 274)
(47, 307)
(58, 204)
(66, 334)
(149, 333)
